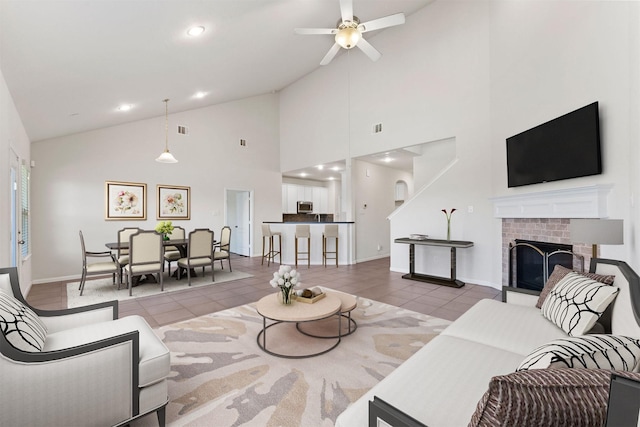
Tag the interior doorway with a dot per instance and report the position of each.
(239, 214)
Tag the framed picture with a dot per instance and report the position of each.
(125, 200)
(174, 202)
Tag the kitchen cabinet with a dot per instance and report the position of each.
(292, 193)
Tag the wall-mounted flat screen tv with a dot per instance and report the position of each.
(563, 148)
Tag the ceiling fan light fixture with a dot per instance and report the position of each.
(348, 37)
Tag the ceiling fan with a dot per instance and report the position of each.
(349, 29)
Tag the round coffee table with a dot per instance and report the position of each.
(270, 307)
(347, 304)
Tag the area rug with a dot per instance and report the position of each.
(220, 377)
(100, 290)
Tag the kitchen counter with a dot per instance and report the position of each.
(308, 222)
(346, 242)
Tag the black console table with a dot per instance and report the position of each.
(453, 244)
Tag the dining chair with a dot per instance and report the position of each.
(172, 253)
(123, 253)
(199, 252)
(94, 268)
(145, 256)
(222, 250)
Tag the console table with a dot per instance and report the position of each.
(445, 281)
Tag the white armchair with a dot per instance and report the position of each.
(88, 367)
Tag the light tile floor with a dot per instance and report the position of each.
(370, 279)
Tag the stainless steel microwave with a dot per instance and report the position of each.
(305, 207)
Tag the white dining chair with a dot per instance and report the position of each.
(172, 253)
(145, 256)
(199, 253)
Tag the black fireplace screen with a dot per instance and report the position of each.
(530, 262)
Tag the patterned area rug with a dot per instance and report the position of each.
(220, 377)
(100, 290)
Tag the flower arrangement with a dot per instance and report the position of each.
(286, 279)
(448, 215)
(165, 228)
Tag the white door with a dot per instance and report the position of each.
(239, 219)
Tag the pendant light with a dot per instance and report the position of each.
(166, 156)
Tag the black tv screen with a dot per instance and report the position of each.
(563, 148)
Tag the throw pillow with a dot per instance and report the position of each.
(559, 272)
(546, 397)
(21, 327)
(576, 303)
(588, 351)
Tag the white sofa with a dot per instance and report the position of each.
(442, 383)
(86, 367)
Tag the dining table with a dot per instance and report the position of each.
(181, 244)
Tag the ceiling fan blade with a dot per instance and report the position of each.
(332, 52)
(313, 31)
(387, 21)
(369, 50)
(346, 10)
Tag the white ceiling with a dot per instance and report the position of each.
(70, 63)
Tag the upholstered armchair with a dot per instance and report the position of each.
(77, 367)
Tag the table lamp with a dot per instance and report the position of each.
(596, 231)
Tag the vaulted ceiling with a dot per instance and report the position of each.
(69, 64)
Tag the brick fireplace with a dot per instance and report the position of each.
(545, 217)
(551, 230)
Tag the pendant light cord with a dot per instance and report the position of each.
(166, 124)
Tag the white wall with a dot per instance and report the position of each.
(376, 186)
(479, 72)
(69, 178)
(549, 58)
(14, 144)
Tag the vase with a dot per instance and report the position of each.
(285, 295)
(165, 237)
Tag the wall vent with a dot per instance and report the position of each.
(377, 128)
(243, 142)
(183, 130)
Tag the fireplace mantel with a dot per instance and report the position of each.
(580, 202)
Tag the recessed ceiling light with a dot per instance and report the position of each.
(200, 95)
(331, 178)
(320, 167)
(335, 168)
(195, 31)
(387, 159)
(125, 107)
(303, 174)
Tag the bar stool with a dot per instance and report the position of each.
(330, 232)
(303, 231)
(271, 254)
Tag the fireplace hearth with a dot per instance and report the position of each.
(535, 261)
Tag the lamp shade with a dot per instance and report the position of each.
(597, 231)
(166, 157)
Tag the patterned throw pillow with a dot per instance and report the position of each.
(20, 325)
(559, 272)
(576, 303)
(546, 397)
(588, 351)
